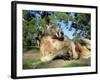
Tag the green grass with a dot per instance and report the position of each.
(30, 64)
(31, 60)
(79, 63)
(37, 64)
(27, 48)
(27, 65)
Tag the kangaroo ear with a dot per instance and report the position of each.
(57, 35)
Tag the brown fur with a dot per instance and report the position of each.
(82, 51)
(51, 47)
(70, 53)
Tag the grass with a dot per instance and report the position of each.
(30, 64)
(77, 63)
(31, 60)
(37, 64)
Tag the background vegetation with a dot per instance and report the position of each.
(34, 23)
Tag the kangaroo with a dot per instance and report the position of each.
(52, 47)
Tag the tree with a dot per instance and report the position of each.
(35, 22)
(82, 22)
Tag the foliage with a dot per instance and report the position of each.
(82, 22)
(34, 23)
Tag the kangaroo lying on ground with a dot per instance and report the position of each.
(51, 47)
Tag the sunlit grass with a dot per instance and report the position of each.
(31, 60)
(37, 64)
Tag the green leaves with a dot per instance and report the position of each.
(62, 16)
(82, 22)
(34, 22)
(26, 15)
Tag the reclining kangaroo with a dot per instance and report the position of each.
(51, 47)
